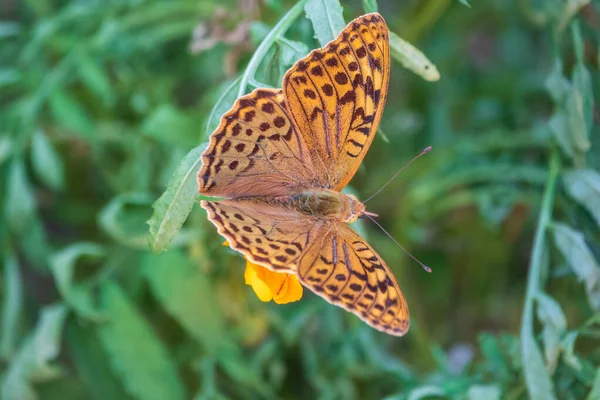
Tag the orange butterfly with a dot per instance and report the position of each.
(281, 157)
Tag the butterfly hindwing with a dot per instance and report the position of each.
(267, 235)
(328, 257)
(343, 268)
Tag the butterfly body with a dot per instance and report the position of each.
(281, 157)
(324, 203)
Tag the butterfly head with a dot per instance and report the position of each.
(354, 208)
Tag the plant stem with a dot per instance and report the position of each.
(535, 271)
(535, 264)
(263, 48)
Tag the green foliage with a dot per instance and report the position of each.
(135, 352)
(326, 17)
(114, 284)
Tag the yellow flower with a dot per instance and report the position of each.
(268, 285)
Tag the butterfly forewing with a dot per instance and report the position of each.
(256, 150)
(336, 97)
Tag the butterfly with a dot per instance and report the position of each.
(280, 158)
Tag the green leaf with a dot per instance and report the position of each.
(46, 163)
(135, 352)
(582, 83)
(412, 58)
(291, 52)
(578, 132)
(327, 19)
(222, 105)
(173, 207)
(69, 113)
(567, 346)
(595, 391)
(9, 76)
(575, 251)
(558, 126)
(6, 148)
(493, 356)
(186, 293)
(488, 392)
(584, 186)
(124, 219)
(554, 327)
(370, 6)
(12, 305)
(32, 363)
(557, 85)
(20, 204)
(8, 29)
(425, 391)
(34, 243)
(91, 363)
(465, 3)
(539, 385)
(92, 74)
(77, 295)
(171, 125)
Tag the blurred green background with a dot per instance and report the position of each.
(100, 101)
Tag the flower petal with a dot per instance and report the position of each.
(290, 291)
(252, 278)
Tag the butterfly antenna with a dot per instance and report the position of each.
(426, 150)
(425, 267)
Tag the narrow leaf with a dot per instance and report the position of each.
(568, 348)
(173, 207)
(426, 391)
(20, 205)
(559, 125)
(46, 163)
(557, 85)
(222, 105)
(578, 132)
(370, 6)
(186, 293)
(12, 305)
(291, 52)
(412, 58)
(136, 354)
(93, 76)
(575, 251)
(32, 363)
(171, 125)
(69, 113)
(554, 327)
(582, 82)
(327, 19)
(539, 385)
(488, 392)
(91, 363)
(124, 217)
(584, 186)
(595, 391)
(6, 148)
(62, 265)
